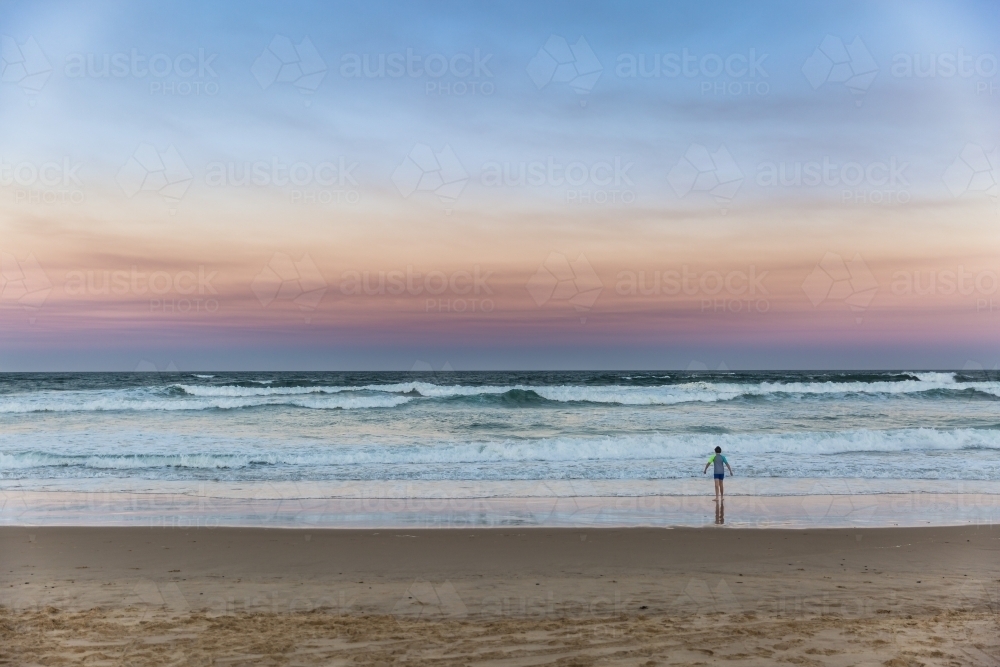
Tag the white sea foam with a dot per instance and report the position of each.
(234, 391)
(206, 397)
(667, 448)
(628, 395)
(124, 400)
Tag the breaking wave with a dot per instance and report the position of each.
(561, 449)
(133, 401)
(263, 393)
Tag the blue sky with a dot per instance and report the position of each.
(376, 119)
(899, 133)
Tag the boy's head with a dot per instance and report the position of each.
(718, 450)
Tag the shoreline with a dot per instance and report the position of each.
(270, 505)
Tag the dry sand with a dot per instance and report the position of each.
(517, 596)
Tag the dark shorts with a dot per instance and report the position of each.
(720, 476)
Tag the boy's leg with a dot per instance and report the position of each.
(722, 489)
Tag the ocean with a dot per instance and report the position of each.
(449, 427)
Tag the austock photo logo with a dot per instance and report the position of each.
(974, 171)
(458, 74)
(560, 62)
(170, 293)
(284, 62)
(424, 599)
(24, 65)
(833, 279)
(734, 292)
(954, 280)
(285, 279)
(183, 75)
(878, 182)
(51, 182)
(421, 366)
(560, 280)
(601, 182)
(977, 370)
(147, 366)
(698, 597)
(981, 68)
(729, 75)
(716, 174)
(331, 181)
(23, 283)
(456, 292)
(834, 62)
(423, 170)
(827, 500)
(697, 366)
(149, 170)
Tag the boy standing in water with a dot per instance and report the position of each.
(719, 460)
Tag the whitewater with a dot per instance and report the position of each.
(457, 428)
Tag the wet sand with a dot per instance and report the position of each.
(518, 596)
(750, 503)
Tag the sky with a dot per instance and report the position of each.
(515, 185)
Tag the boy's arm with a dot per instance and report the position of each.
(706, 467)
(730, 468)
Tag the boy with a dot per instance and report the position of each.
(719, 460)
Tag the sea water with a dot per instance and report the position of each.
(462, 427)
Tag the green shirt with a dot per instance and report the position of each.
(718, 460)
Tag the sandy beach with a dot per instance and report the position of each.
(505, 334)
(531, 596)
